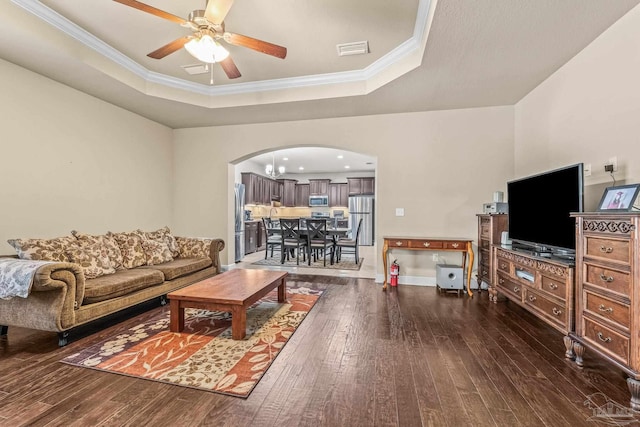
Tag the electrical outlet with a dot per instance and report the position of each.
(399, 211)
(613, 161)
(587, 169)
(435, 257)
(608, 168)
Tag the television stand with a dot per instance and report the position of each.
(541, 285)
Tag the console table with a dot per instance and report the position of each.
(429, 244)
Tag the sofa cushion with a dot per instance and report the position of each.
(181, 267)
(122, 282)
(43, 249)
(156, 252)
(130, 244)
(113, 250)
(92, 258)
(163, 235)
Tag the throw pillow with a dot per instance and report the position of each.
(43, 249)
(130, 244)
(163, 235)
(93, 259)
(113, 250)
(156, 252)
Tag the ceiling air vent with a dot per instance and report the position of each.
(355, 48)
(195, 69)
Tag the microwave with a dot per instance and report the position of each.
(318, 200)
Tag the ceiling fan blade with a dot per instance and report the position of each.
(169, 48)
(152, 10)
(230, 68)
(217, 10)
(255, 44)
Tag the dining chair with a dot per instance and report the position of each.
(349, 244)
(319, 240)
(274, 238)
(292, 239)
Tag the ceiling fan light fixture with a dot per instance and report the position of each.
(206, 49)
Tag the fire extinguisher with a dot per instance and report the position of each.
(395, 272)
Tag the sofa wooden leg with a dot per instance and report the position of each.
(3, 330)
(63, 338)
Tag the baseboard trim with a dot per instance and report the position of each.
(424, 281)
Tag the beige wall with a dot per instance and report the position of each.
(70, 161)
(439, 166)
(587, 112)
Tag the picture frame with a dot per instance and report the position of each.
(619, 198)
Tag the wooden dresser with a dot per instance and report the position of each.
(490, 228)
(542, 286)
(608, 292)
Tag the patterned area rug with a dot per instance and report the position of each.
(347, 262)
(203, 356)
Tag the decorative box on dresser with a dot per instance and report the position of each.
(490, 228)
(608, 292)
(543, 286)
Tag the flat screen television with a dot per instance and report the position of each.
(539, 208)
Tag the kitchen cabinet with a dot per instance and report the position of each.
(250, 237)
(338, 195)
(319, 187)
(288, 192)
(259, 189)
(361, 186)
(302, 195)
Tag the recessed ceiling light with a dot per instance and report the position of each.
(301, 168)
(347, 166)
(340, 156)
(285, 158)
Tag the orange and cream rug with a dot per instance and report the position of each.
(203, 356)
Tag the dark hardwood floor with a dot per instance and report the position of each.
(409, 357)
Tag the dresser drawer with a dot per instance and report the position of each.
(614, 343)
(485, 227)
(455, 245)
(483, 269)
(425, 244)
(606, 278)
(609, 249)
(507, 286)
(612, 310)
(399, 243)
(503, 266)
(553, 286)
(484, 244)
(555, 311)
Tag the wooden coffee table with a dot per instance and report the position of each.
(231, 291)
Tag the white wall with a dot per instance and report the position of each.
(70, 161)
(440, 166)
(588, 111)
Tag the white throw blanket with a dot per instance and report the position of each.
(16, 276)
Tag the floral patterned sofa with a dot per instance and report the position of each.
(82, 277)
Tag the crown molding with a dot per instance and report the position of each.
(397, 62)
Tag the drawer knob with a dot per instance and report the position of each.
(556, 311)
(484, 272)
(501, 281)
(602, 338)
(553, 286)
(606, 250)
(398, 243)
(503, 266)
(426, 244)
(605, 309)
(532, 298)
(516, 289)
(455, 245)
(606, 278)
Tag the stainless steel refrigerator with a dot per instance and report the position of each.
(361, 207)
(239, 221)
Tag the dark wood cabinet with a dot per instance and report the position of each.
(608, 292)
(259, 189)
(250, 237)
(490, 228)
(361, 186)
(288, 192)
(319, 187)
(338, 195)
(302, 195)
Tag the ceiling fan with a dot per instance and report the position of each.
(208, 28)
